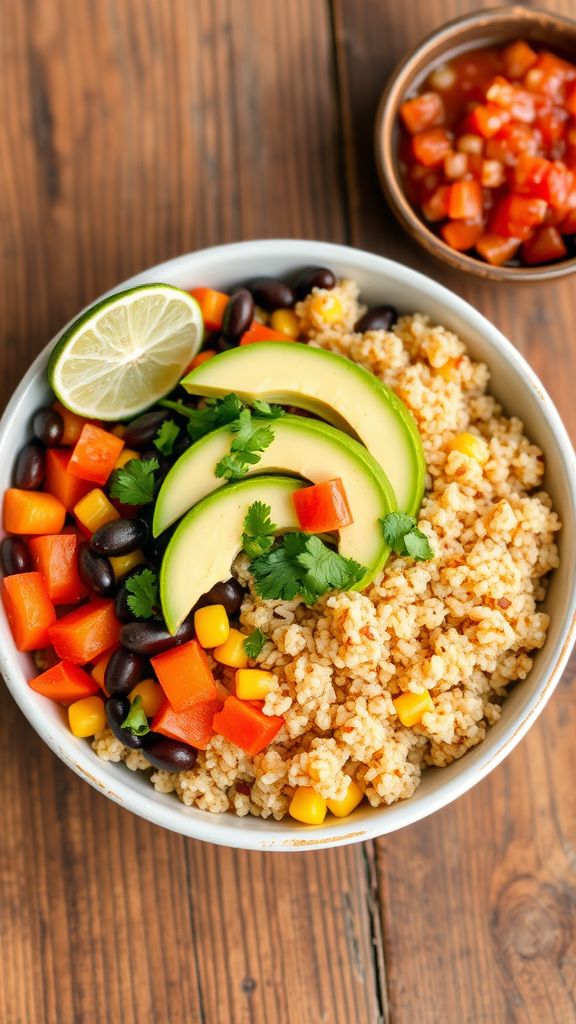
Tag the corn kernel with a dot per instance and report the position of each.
(94, 510)
(87, 716)
(232, 652)
(126, 455)
(448, 369)
(308, 806)
(151, 694)
(411, 706)
(122, 564)
(260, 315)
(211, 625)
(253, 683)
(328, 307)
(342, 808)
(472, 446)
(287, 322)
(99, 668)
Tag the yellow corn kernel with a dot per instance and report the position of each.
(472, 446)
(122, 564)
(152, 696)
(342, 808)
(260, 315)
(211, 625)
(253, 683)
(448, 369)
(411, 706)
(99, 668)
(94, 510)
(126, 455)
(87, 716)
(119, 430)
(328, 307)
(232, 652)
(287, 322)
(308, 806)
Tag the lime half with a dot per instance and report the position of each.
(126, 352)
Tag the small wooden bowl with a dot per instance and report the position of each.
(484, 28)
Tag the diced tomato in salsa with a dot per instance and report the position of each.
(425, 111)
(430, 147)
(545, 245)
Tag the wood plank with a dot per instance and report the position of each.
(133, 132)
(478, 902)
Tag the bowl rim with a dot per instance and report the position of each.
(385, 154)
(382, 820)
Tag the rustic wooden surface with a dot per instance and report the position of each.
(132, 132)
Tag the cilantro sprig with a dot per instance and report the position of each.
(302, 565)
(136, 721)
(166, 437)
(134, 483)
(220, 412)
(254, 643)
(259, 530)
(402, 534)
(250, 439)
(142, 597)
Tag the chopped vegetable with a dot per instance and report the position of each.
(65, 682)
(402, 534)
(185, 675)
(471, 445)
(465, 200)
(545, 245)
(136, 721)
(126, 455)
(259, 530)
(211, 625)
(253, 644)
(63, 485)
(87, 716)
(73, 424)
(251, 438)
(84, 634)
(202, 357)
(94, 511)
(29, 610)
(233, 653)
(323, 507)
(56, 558)
(411, 706)
(424, 111)
(260, 332)
(143, 600)
(253, 683)
(193, 725)
(134, 484)
(99, 668)
(123, 564)
(307, 806)
(166, 437)
(32, 512)
(212, 305)
(151, 694)
(348, 803)
(431, 146)
(286, 321)
(244, 724)
(94, 454)
(303, 565)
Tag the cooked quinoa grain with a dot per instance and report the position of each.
(463, 626)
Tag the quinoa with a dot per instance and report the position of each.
(463, 626)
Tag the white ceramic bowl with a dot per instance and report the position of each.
(521, 393)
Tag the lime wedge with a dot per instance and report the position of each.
(126, 352)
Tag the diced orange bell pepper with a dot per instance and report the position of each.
(55, 556)
(193, 725)
(431, 146)
(461, 234)
(185, 675)
(32, 512)
(465, 200)
(73, 424)
(64, 682)
(260, 332)
(496, 249)
(243, 723)
(212, 305)
(63, 485)
(85, 633)
(425, 111)
(546, 245)
(29, 610)
(95, 454)
(323, 507)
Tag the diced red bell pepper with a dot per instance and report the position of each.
(431, 146)
(193, 725)
(323, 507)
(549, 76)
(437, 205)
(29, 610)
(487, 120)
(242, 723)
(515, 216)
(496, 249)
(65, 682)
(545, 179)
(461, 234)
(518, 58)
(185, 675)
(425, 111)
(56, 558)
(63, 485)
(465, 200)
(552, 126)
(73, 424)
(545, 246)
(260, 332)
(212, 305)
(568, 225)
(85, 633)
(570, 101)
(512, 140)
(95, 454)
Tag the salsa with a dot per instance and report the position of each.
(488, 153)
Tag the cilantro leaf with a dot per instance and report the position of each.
(259, 530)
(134, 483)
(303, 565)
(326, 569)
(418, 546)
(402, 534)
(249, 440)
(166, 437)
(254, 643)
(276, 576)
(266, 411)
(136, 721)
(143, 594)
(218, 412)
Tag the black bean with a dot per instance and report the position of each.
(380, 318)
(140, 433)
(119, 537)
(169, 755)
(116, 710)
(15, 556)
(95, 570)
(238, 314)
(229, 593)
(48, 427)
(122, 608)
(222, 345)
(29, 468)
(123, 671)
(271, 294)
(152, 637)
(313, 277)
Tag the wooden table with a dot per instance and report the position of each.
(132, 132)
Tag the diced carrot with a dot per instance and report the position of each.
(496, 249)
(85, 633)
(244, 724)
(193, 725)
(260, 332)
(73, 424)
(323, 507)
(55, 556)
(185, 675)
(202, 357)
(212, 305)
(431, 146)
(518, 57)
(461, 234)
(63, 485)
(465, 200)
(29, 610)
(64, 682)
(546, 245)
(95, 454)
(32, 512)
(425, 111)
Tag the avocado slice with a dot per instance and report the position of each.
(301, 447)
(332, 387)
(206, 542)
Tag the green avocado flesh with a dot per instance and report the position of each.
(301, 447)
(332, 387)
(209, 537)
